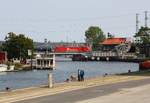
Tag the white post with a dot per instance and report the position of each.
(49, 63)
(50, 80)
(53, 61)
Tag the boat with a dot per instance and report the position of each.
(144, 65)
(79, 57)
(3, 68)
(11, 68)
(6, 68)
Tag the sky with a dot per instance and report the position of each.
(67, 20)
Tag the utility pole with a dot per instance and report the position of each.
(146, 18)
(137, 23)
(46, 46)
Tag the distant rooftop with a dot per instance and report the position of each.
(114, 41)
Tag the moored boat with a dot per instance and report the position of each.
(3, 67)
(144, 65)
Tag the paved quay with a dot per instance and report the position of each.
(132, 95)
(136, 94)
(74, 91)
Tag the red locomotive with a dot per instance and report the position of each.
(64, 49)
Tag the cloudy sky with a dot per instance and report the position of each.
(67, 20)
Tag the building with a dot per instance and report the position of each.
(115, 48)
(3, 57)
(110, 43)
(45, 61)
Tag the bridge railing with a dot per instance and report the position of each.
(104, 54)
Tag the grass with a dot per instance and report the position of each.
(137, 73)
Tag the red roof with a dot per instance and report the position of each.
(113, 41)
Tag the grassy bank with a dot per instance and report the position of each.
(137, 73)
(22, 67)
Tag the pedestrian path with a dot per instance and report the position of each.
(132, 95)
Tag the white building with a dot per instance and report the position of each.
(45, 61)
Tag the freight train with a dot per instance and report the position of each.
(78, 49)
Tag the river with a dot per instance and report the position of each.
(23, 79)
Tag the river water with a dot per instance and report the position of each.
(16, 80)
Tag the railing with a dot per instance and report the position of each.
(104, 54)
(59, 53)
(112, 54)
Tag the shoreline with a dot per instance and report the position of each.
(28, 67)
(116, 60)
(43, 90)
(135, 73)
(64, 82)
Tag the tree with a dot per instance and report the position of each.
(143, 35)
(143, 41)
(1, 47)
(94, 35)
(17, 45)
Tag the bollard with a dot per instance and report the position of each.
(50, 81)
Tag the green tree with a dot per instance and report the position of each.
(94, 35)
(143, 41)
(1, 47)
(17, 45)
(143, 35)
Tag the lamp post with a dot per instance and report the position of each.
(30, 54)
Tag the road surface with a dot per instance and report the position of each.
(110, 93)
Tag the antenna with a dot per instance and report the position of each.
(137, 23)
(146, 18)
(67, 39)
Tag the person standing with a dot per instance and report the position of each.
(82, 75)
(79, 75)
